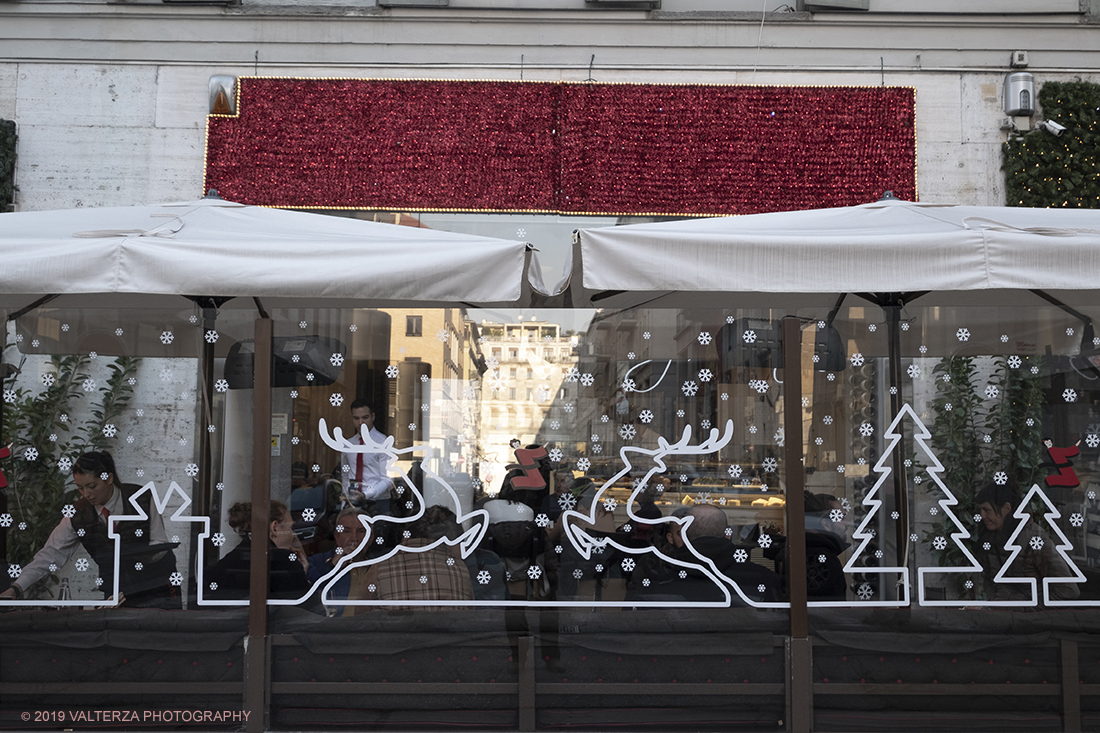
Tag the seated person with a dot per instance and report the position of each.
(707, 534)
(825, 542)
(143, 544)
(438, 574)
(349, 534)
(287, 560)
(996, 504)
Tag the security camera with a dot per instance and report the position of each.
(1052, 127)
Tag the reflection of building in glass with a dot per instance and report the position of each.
(416, 367)
(528, 393)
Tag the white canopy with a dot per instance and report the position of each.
(887, 246)
(218, 248)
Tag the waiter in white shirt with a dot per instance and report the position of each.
(147, 563)
(364, 474)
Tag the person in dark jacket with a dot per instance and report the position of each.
(708, 539)
(229, 577)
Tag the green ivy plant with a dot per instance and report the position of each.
(1042, 170)
(7, 163)
(45, 437)
(975, 436)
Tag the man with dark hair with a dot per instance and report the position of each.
(708, 535)
(147, 561)
(364, 475)
(996, 504)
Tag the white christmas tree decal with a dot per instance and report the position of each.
(1036, 543)
(865, 531)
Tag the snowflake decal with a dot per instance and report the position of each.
(1076, 519)
(704, 498)
(30, 454)
(865, 591)
(578, 573)
(211, 337)
(110, 431)
(740, 555)
(218, 539)
(1092, 440)
(836, 515)
(1000, 478)
(705, 424)
(88, 385)
(827, 419)
(628, 564)
(866, 429)
(963, 334)
(14, 571)
(840, 468)
(948, 407)
(749, 337)
(628, 432)
(542, 520)
(221, 386)
(631, 355)
(1036, 543)
(555, 454)
(63, 465)
(573, 374)
(752, 430)
(483, 577)
(940, 543)
(567, 501)
(934, 510)
(167, 337)
(587, 380)
(1069, 395)
(392, 371)
(49, 379)
(689, 388)
(704, 337)
(583, 464)
(770, 465)
(705, 375)
(1015, 362)
(82, 564)
(992, 391)
(760, 385)
(308, 515)
(857, 359)
(534, 572)
(412, 426)
(609, 504)
(764, 540)
(192, 470)
(442, 335)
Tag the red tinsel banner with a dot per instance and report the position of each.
(556, 147)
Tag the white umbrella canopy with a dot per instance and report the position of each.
(217, 248)
(889, 246)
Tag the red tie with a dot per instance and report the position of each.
(105, 514)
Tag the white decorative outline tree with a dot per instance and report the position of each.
(1064, 544)
(874, 504)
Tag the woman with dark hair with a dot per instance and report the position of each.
(147, 562)
(229, 578)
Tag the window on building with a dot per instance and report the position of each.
(414, 325)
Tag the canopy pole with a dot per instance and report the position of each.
(256, 657)
(893, 366)
(799, 662)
